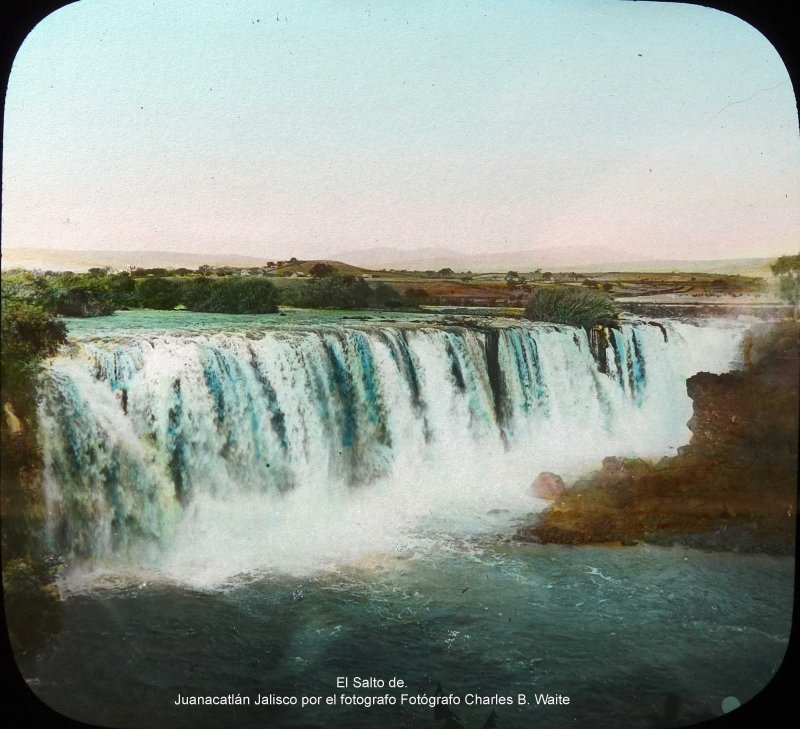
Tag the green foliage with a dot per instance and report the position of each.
(232, 295)
(29, 335)
(321, 270)
(82, 299)
(573, 306)
(158, 292)
(417, 295)
(97, 293)
(787, 269)
(101, 292)
(22, 285)
(786, 265)
(222, 290)
(334, 292)
(384, 295)
(789, 289)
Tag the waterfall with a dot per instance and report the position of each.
(219, 453)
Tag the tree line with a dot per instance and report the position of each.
(100, 292)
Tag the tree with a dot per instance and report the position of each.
(79, 294)
(231, 295)
(29, 335)
(335, 292)
(417, 295)
(385, 295)
(321, 270)
(157, 292)
(787, 269)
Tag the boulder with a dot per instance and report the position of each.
(548, 486)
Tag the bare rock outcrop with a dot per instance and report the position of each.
(548, 486)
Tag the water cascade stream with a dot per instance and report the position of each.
(218, 453)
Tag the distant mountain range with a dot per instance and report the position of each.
(579, 258)
(70, 260)
(436, 258)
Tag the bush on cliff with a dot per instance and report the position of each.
(29, 334)
(572, 306)
(32, 603)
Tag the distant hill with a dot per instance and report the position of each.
(422, 259)
(758, 267)
(567, 258)
(418, 259)
(562, 258)
(306, 266)
(55, 260)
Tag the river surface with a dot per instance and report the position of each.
(261, 506)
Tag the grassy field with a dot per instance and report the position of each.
(512, 289)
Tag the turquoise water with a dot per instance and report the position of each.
(149, 320)
(260, 505)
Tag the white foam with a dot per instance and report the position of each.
(269, 479)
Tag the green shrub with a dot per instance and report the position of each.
(29, 335)
(67, 294)
(384, 295)
(321, 270)
(231, 295)
(158, 292)
(573, 306)
(335, 292)
(787, 269)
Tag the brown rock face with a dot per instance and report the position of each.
(548, 486)
(734, 486)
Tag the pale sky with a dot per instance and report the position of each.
(306, 128)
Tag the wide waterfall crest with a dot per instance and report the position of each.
(269, 449)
